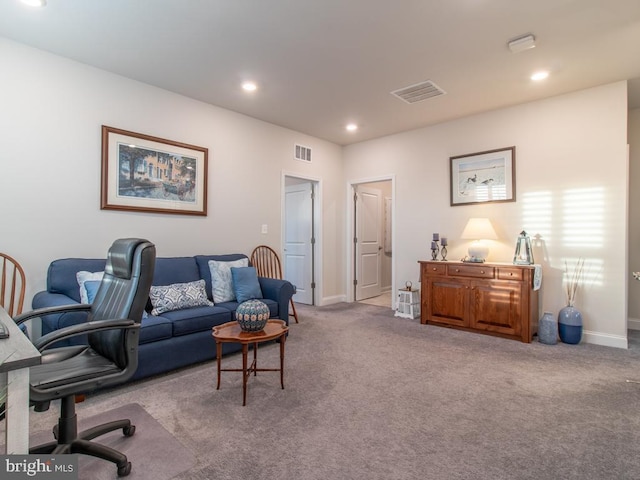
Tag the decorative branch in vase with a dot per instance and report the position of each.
(573, 280)
(569, 317)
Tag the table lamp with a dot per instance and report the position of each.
(478, 230)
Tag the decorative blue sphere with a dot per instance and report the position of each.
(252, 315)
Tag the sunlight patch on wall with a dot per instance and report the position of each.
(583, 218)
(537, 215)
(591, 273)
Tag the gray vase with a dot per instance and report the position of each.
(548, 329)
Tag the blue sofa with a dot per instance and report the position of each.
(172, 339)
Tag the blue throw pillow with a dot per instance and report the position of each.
(91, 286)
(245, 283)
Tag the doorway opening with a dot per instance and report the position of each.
(301, 246)
(371, 270)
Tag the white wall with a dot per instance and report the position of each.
(634, 217)
(51, 114)
(571, 176)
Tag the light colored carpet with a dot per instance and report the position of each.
(372, 396)
(154, 452)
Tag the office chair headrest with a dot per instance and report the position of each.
(120, 257)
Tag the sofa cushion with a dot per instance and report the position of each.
(166, 298)
(221, 280)
(155, 328)
(197, 319)
(245, 283)
(232, 307)
(175, 270)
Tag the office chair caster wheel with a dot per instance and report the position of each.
(129, 431)
(125, 470)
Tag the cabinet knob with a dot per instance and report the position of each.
(434, 269)
(457, 269)
(481, 271)
(511, 274)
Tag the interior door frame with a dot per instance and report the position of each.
(317, 229)
(350, 229)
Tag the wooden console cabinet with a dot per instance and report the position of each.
(491, 298)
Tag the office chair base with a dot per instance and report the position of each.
(67, 441)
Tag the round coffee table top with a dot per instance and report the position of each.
(231, 332)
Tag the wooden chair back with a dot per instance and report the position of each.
(12, 285)
(266, 262)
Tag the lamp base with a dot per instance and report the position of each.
(478, 251)
(473, 260)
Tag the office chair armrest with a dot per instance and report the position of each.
(84, 328)
(81, 307)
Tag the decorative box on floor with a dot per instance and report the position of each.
(408, 304)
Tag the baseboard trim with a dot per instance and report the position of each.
(332, 300)
(605, 339)
(633, 323)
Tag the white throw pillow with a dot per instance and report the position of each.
(84, 276)
(221, 280)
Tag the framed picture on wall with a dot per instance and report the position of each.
(483, 177)
(150, 174)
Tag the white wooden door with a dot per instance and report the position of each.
(298, 232)
(368, 244)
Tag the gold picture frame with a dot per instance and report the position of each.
(142, 173)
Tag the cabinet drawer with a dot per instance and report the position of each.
(477, 271)
(507, 273)
(435, 269)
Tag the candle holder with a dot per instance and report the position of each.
(435, 248)
(443, 253)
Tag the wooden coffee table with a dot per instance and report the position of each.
(230, 332)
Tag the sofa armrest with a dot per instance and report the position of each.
(280, 291)
(56, 321)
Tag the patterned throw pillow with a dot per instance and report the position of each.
(221, 281)
(178, 296)
(84, 276)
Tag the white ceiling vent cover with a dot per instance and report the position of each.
(418, 92)
(302, 153)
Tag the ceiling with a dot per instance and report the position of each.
(320, 64)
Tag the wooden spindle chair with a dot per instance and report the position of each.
(267, 264)
(12, 285)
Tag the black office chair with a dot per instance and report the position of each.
(111, 356)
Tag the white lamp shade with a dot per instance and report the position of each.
(479, 229)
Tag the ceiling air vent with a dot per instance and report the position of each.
(302, 153)
(418, 92)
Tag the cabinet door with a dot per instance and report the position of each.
(448, 300)
(495, 307)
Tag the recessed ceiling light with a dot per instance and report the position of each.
(352, 127)
(536, 77)
(249, 86)
(35, 3)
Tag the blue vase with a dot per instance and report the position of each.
(570, 325)
(548, 329)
